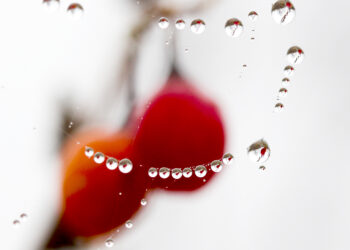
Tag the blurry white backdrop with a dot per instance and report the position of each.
(301, 201)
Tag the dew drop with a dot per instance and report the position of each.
(125, 166)
(200, 171)
(187, 172)
(180, 24)
(163, 23)
(279, 107)
(285, 82)
(24, 217)
(16, 223)
(253, 16)
(216, 166)
(283, 12)
(152, 172)
(89, 152)
(75, 10)
(164, 173)
(282, 93)
(111, 163)
(176, 173)
(197, 26)
(128, 224)
(143, 202)
(227, 159)
(234, 27)
(259, 151)
(109, 243)
(51, 5)
(295, 55)
(288, 71)
(99, 157)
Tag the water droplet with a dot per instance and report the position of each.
(200, 171)
(285, 82)
(176, 173)
(143, 202)
(111, 163)
(164, 173)
(186, 50)
(283, 12)
(125, 166)
(216, 166)
(128, 224)
(262, 167)
(152, 172)
(89, 152)
(51, 5)
(120, 193)
(234, 27)
(187, 172)
(278, 107)
(295, 55)
(288, 70)
(163, 23)
(259, 151)
(244, 65)
(99, 157)
(180, 24)
(70, 125)
(197, 26)
(16, 223)
(282, 93)
(227, 159)
(253, 15)
(75, 10)
(24, 217)
(109, 243)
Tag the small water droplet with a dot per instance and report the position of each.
(70, 125)
(200, 171)
(253, 16)
(99, 157)
(227, 159)
(125, 166)
(186, 50)
(187, 172)
(176, 173)
(23, 217)
(285, 82)
(234, 27)
(295, 55)
(111, 163)
(282, 93)
(75, 10)
(89, 152)
(109, 243)
(16, 223)
(152, 172)
(166, 42)
(163, 23)
(216, 166)
(252, 38)
(283, 12)
(143, 202)
(262, 167)
(279, 107)
(197, 26)
(164, 173)
(51, 5)
(288, 71)
(128, 224)
(259, 151)
(120, 193)
(180, 24)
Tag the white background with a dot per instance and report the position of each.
(301, 201)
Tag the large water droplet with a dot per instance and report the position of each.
(200, 171)
(259, 151)
(152, 172)
(283, 12)
(163, 23)
(128, 224)
(51, 5)
(234, 27)
(278, 108)
(180, 24)
(282, 93)
(187, 172)
(109, 243)
(253, 15)
(295, 55)
(89, 152)
(111, 163)
(164, 173)
(176, 173)
(216, 166)
(288, 71)
(75, 10)
(227, 159)
(125, 166)
(197, 26)
(143, 202)
(99, 157)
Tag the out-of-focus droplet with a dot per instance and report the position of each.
(16, 223)
(282, 93)
(285, 82)
(259, 151)
(186, 50)
(111, 163)
(262, 167)
(180, 24)
(200, 171)
(288, 71)
(295, 55)
(227, 159)
(24, 217)
(70, 125)
(109, 243)
(152, 172)
(252, 38)
(253, 15)
(125, 166)
(283, 12)
(51, 5)
(128, 224)
(75, 10)
(89, 152)
(163, 23)
(216, 166)
(234, 27)
(143, 202)
(187, 172)
(164, 173)
(197, 26)
(99, 157)
(279, 107)
(176, 173)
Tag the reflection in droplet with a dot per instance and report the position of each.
(279, 107)
(227, 159)
(163, 23)
(128, 224)
(109, 243)
(295, 55)
(51, 5)
(200, 171)
(216, 166)
(176, 173)
(89, 152)
(283, 12)
(197, 26)
(111, 163)
(23, 217)
(152, 172)
(125, 166)
(99, 157)
(288, 71)
(234, 27)
(143, 202)
(282, 93)
(259, 151)
(180, 24)
(16, 223)
(75, 10)
(164, 173)
(253, 15)
(187, 172)
(285, 82)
